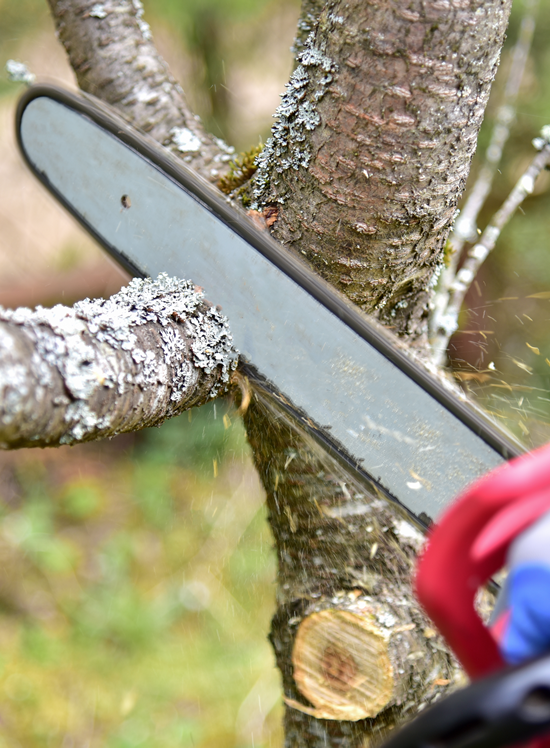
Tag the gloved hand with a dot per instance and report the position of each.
(501, 519)
(521, 621)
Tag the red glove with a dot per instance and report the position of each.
(469, 544)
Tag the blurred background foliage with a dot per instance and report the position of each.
(501, 353)
(137, 580)
(232, 58)
(136, 585)
(136, 592)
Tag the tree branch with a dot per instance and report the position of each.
(100, 368)
(443, 319)
(111, 51)
(477, 254)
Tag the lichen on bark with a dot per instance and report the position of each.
(102, 367)
(309, 15)
(393, 126)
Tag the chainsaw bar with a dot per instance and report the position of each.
(356, 391)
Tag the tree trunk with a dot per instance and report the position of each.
(369, 156)
(367, 161)
(372, 145)
(356, 653)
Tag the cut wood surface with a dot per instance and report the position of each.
(341, 664)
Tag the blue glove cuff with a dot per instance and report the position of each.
(528, 631)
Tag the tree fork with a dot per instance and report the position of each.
(365, 182)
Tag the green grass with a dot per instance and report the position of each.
(136, 593)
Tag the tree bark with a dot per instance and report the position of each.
(367, 161)
(356, 653)
(369, 155)
(111, 51)
(100, 368)
(373, 141)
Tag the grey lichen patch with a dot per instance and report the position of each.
(147, 352)
(18, 72)
(143, 25)
(162, 301)
(98, 11)
(306, 24)
(185, 140)
(295, 117)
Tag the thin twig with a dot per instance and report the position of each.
(465, 228)
(479, 252)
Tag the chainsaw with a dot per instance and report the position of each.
(335, 371)
(341, 375)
